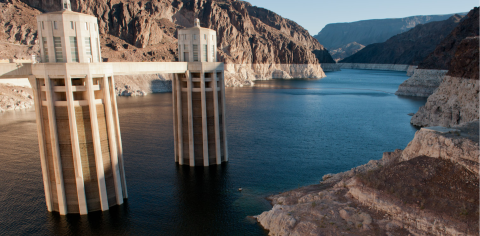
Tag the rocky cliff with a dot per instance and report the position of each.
(457, 98)
(336, 37)
(429, 188)
(444, 52)
(430, 71)
(410, 47)
(246, 35)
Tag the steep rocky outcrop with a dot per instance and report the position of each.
(410, 47)
(444, 52)
(423, 83)
(246, 35)
(336, 37)
(429, 188)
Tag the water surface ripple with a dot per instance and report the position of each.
(282, 134)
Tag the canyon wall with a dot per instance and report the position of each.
(410, 47)
(444, 52)
(344, 39)
(147, 31)
(457, 98)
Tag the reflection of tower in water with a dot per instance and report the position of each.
(202, 198)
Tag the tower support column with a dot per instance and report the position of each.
(215, 88)
(112, 141)
(102, 188)
(191, 137)
(57, 161)
(118, 136)
(41, 141)
(224, 123)
(204, 118)
(77, 159)
(178, 89)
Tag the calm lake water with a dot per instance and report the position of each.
(282, 134)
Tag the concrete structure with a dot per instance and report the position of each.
(197, 44)
(77, 118)
(199, 101)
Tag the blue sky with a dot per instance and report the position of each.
(313, 15)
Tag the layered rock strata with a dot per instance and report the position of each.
(406, 192)
(422, 84)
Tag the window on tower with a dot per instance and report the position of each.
(195, 52)
(45, 49)
(74, 49)
(57, 41)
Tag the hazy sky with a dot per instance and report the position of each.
(313, 15)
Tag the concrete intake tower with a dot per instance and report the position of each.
(78, 126)
(199, 101)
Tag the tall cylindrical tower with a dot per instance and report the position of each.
(77, 120)
(199, 101)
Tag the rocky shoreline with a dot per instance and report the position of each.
(422, 84)
(367, 66)
(404, 193)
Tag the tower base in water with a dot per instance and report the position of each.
(199, 115)
(79, 137)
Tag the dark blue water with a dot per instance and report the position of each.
(282, 134)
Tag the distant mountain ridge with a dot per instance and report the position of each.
(409, 48)
(337, 36)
